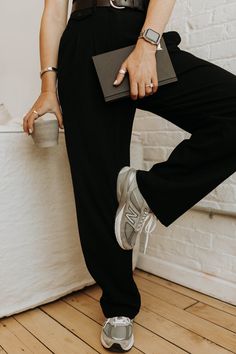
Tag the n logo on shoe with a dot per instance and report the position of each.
(132, 215)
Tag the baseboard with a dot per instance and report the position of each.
(205, 283)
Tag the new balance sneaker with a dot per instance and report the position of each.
(132, 212)
(117, 334)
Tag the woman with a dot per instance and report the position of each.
(97, 133)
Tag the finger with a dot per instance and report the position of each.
(133, 89)
(154, 80)
(120, 76)
(141, 89)
(148, 89)
(59, 117)
(32, 117)
(25, 122)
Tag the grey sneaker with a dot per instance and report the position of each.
(117, 334)
(132, 212)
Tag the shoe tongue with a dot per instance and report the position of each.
(119, 332)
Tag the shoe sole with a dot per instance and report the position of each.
(116, 347)
(122, 201)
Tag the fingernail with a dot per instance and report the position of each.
(115, 82)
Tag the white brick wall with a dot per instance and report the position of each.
(197, 250)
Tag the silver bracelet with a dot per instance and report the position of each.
(49, 68)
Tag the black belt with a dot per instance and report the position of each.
(118, 4)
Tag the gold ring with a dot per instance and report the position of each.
(151, 85)
(36, 112)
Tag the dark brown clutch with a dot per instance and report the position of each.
(108, 63)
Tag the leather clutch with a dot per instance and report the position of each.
(107, 65)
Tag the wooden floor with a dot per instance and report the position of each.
(173, 319)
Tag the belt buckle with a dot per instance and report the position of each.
(115, 6)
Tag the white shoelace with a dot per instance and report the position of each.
(149, 227)
(118, 320)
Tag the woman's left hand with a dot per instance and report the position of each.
(142, 69)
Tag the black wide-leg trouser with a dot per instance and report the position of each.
(98, 134)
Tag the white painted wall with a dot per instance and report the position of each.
(19, 59)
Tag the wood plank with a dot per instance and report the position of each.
(169, 330)
(145, 340)
(94, 291)
(214, 315)
(151, 343)
(168, 295)
(80, 324)
(29, 341)
(178, 335)
(58, 339)
(210, 300)
(10, 342)
(86, 304)
(173, 319)
(200, 326)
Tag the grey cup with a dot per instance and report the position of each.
(45, 132)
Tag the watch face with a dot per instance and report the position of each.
(152, 35)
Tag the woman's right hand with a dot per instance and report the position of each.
(46, 102)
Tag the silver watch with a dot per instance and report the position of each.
(150, 35)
